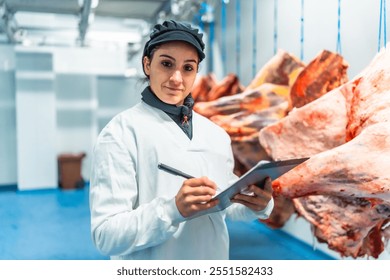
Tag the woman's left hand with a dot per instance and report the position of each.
(260, 198)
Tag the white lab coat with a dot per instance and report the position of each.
(133, 210)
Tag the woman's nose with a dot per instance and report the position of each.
(177, 77)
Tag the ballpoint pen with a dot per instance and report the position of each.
(174, 171)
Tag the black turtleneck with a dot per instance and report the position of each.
(181, 115)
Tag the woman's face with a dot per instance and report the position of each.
(172, 71)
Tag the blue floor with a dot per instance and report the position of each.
(54, 225)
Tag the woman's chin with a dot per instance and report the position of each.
(173, 100)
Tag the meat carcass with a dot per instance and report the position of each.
(247, 152)
(246, 122)
(351, 227)
(208, 88)
(323, 74)
(263, 96)
(358, 168)
(229, 85)
(319, 126)
(281, 69)
(243, 128)
(347, 135)
(284, 208)
(371, 101)
(202, 86)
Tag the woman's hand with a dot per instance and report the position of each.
(195, 195)
(260, 198)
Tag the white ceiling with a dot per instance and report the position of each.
(59, 21)
(141, 9)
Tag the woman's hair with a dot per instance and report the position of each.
(150, 57)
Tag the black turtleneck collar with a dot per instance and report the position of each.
(181, 115)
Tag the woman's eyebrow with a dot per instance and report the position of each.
(170, 57)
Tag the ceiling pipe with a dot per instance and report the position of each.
(86, 17)
(8, 24)
(187, 10)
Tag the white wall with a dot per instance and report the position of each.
(8, 171)
(81, 109)
(35, 119)
(61, 109)
(359, 32)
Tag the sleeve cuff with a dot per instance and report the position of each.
(266, 212)
(173, 213)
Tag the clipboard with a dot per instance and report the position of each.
(255, 176)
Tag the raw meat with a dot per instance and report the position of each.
(358, 168)
(207, 88)
(247, 122)
(316, 127)
(227, 86)
(323, 74)
(202, 86)
(243, 128)
(281, 69)
(250, 100)
(351, 227)
(344, 188)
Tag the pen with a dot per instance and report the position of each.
(173, 171)
(176, 172)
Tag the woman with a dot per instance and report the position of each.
(141, 212)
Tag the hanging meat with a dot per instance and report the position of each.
(262, 97)
(281, 69)
(208, 88)
(263, 102)
(351, 227)
(324, 73)
(343, 190)
(202, 86)
(243, 128)
(242, 116)
(316, 127)
(229, 85)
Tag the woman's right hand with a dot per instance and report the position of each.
(195, 195)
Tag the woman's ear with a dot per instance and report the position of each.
(146, 63)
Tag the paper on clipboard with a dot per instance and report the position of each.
(256, 175)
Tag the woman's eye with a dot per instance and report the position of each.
(189, 68)
(166, 64)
